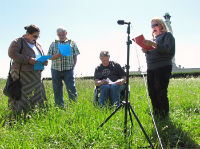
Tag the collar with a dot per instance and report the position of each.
(62, 41)
(160, 35)
(36, 44)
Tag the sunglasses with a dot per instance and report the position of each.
(154, 25)
(35, 36)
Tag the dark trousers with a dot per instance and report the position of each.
(158, 81)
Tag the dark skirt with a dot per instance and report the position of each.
(33, 92)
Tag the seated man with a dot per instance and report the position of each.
(110, 77)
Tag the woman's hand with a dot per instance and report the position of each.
(32, 61)
(149, 43)
(45, 63)
(144, 50)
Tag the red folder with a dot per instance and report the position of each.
(139, 40)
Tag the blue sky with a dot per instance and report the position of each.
(93, 26)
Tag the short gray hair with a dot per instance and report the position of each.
(61, 29)
(104, 54)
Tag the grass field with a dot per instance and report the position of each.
(76, 126)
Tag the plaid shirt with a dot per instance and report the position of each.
(64, 62)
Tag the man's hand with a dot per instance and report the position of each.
(56, 56)
(45, 63)
(100, 82)
(119, 82)
(32, 61)
(104, 82)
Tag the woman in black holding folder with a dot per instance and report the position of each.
(159, 66)
(24, 51)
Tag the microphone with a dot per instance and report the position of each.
(121, 22)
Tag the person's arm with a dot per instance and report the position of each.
(75, 52)
(55, 56)
(100, 82)
(144, 50)
(164, 47)
(167, 45)
(97, 78)
(14, 53)
(149, 43)
(121, 81)
(75, 60)
(50, 52)
(121, 73)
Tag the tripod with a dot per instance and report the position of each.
(126, 103)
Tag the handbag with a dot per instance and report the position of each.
(12, 88)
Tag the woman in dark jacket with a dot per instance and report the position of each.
(159, 66)
(32, 90)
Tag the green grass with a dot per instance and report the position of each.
(76, 126)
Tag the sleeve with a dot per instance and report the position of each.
(75, 49)
(14, 52)
(167, 46)
(51, 48)
(97, 74)
(120, 70)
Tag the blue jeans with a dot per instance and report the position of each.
(68, 77)
(111, 91)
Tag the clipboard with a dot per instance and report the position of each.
(44, 58)
(41, 59)
(65, 49)
(38, 66)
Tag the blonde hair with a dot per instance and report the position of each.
(160, 23)
(104, 54)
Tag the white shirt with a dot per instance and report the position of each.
(33, 46)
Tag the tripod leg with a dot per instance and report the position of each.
(129, 110)
(110, 115)
(151, 145)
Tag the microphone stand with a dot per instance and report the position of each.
(128, 108)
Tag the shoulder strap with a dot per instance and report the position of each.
(21, 53)
(10, 67)
(21, 46)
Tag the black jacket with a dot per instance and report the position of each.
(163, 54)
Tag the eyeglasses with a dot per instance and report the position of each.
(61, 35)
(154, 25)
(35, 36)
